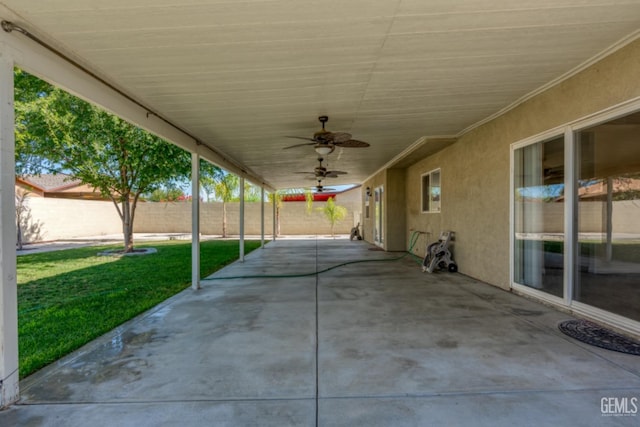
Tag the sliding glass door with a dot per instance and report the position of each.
(576, 218)
(608, 212)
(539, 216)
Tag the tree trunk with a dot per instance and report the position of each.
(224, 219)
(19, 242)
(127, 225)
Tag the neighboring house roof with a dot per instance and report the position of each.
(301, 197)
(598, 189)
(58, 185)
(317, 197)
(50, 182)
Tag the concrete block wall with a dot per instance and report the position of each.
(176, 218)
(57, 219)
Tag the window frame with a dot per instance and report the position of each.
(569, 130)
(429, 193)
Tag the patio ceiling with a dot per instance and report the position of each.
(242, 75)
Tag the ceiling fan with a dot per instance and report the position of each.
(325, 142)
(321, 172)
(321, 188)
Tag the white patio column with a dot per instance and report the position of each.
(241, 219)
(262, 217)
(195, 221)
(8, 285)
(275, 196)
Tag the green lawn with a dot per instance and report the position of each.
(67, 298)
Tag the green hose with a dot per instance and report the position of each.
(412, 242)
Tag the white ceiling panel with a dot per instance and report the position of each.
(243, 75)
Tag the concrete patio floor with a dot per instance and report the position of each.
(366, 344)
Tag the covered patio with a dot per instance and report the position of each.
(439, 97)
(366, 344)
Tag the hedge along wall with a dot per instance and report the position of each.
(57, 219)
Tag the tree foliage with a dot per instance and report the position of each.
(210, 174)
(57, 132)
(251, 192)
(225, 190)
(168, 194)
(277, 198)
(333, 212)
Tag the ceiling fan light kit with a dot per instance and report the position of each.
(324, 149)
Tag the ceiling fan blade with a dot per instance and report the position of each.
(352, 143)
(299, 145)
(301, 137)
(334, 174)
(339, 137)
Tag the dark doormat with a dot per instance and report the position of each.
(591, 333)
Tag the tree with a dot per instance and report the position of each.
(333, 212)
(251, 192)
(209, 175)
(22, 211)
(225, 190)
(168, 194)
(57, 132)
(308, 198)
(276, 197)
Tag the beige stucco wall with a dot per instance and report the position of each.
(475, 170)
(55, 219)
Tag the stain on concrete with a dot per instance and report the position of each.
(349, 293)
(524, 312)
(354, 353)
(125, 371)
(447, 343)
(406, 363)
(15, 417)
(467, 307)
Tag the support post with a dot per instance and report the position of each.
(275, 201)
(195, 221)
(241, 219)
(262, 217)
(9, 391)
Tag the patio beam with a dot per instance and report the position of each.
(9, 391)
